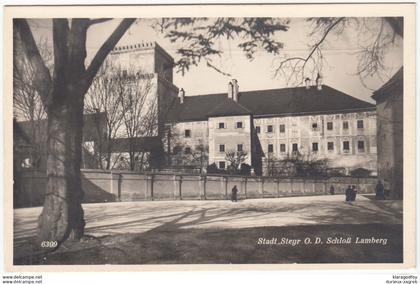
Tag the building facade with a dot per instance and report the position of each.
(390, 133)
(238, 127)
(315, 122)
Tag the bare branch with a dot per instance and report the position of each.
(42, 79)
(296, 66)
(98, 21)
(105, 49)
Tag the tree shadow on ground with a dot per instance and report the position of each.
(223, 246)
(149, 239)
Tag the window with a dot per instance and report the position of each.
(221, 125)
(361, 146)
(187, 133)
(240, 147)
(329, 125)
(345, 125)
(330, 146)
(124, 73)
(222, 165)
(269, 128)
(315, 126)
(239, 124)
(346, 146)
(176, 150)
(360, 124)
(187, 150)
(282, 148)
(270, 148)
(258, 129)
(221, 147)
(282, 128)
(294, 147)
(315, 147)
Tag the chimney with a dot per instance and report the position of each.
(319, 82)
(235, 93)
(181, 95)
(307, 83)
(230, 90)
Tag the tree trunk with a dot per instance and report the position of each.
(62, 216)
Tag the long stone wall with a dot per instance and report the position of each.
(107, 186)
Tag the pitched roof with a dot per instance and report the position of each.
(228, 107)
(275, 102)
(194, 107)
(395, 84)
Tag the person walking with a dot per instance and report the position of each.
(234, 195)
(332, 190)
(380, 191)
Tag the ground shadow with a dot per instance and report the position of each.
(215, 246)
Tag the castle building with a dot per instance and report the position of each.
(316, 121)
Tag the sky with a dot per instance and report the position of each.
(339, 51)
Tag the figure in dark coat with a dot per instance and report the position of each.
(380, 191)
(234, 196)
(348, 193)
(332, 190)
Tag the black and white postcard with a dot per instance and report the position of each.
(167, 136)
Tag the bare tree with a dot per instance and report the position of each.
(235, 159)
(62, 96)
(26, 100)
(105, 96)
(297, 164)
(139, 108)
(27, 103)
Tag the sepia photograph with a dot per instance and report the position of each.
(179, 140)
